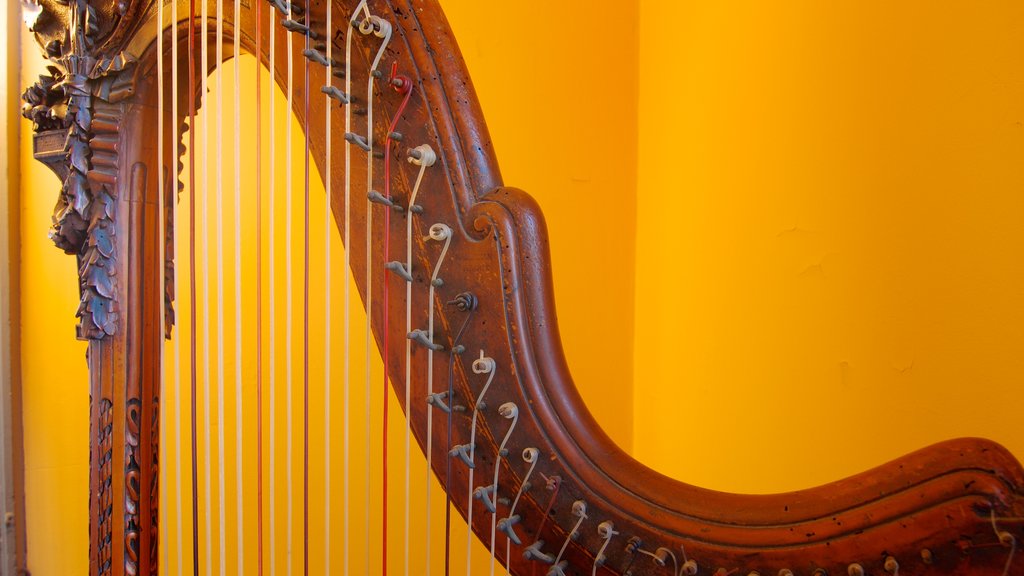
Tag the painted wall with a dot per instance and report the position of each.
(829, 238)
(826, 235)
(54, 377)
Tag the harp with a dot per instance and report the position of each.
(476, 355)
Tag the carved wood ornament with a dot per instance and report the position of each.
(566, 498)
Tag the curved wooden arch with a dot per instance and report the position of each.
(931, 512)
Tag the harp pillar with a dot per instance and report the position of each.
(93, 132)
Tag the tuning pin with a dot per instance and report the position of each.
(483, 494)
(378, 198)
(439, 232)
(462, 453)
(483, 365)
(318, 57)
(358, 140)
(437, 401)
(508, 410)
(335, 94)
(465, 302)
(605, 530)
(423, 339)
(633, 544)
(299, 28)
(422, 155)
(285, 7)
(661, 556)
(533, 552)
(579, 509)
(399, 269)
(506, 525)
(374, 25)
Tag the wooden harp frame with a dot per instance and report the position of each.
(949, 509)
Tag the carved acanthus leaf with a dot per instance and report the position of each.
(78, 81)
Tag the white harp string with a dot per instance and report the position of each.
(240, 508)
(271, 289)
(385, 33)
(442, 233)
(327, 301)
(530, 456)
(408, 362)
(288, 331)
(205, 226)
(482, 365)
(347, 297)
(510, 411)
(219, 214)
(162, 243)
(180, 508)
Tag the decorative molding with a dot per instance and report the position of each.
(105, 489)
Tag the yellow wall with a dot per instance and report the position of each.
(829, 238)
(826, 237)
(54, 376)
(558, 86)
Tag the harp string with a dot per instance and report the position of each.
(327, 298)
(178, 359)
(192, 278)
(205, 225)
(259, 291)
(605, 530)
(509, 411)
(425, 157)
(483, 365)
(289, 328)
(430, 368)
(531, 456)
(347, 293)
(382, 29)
(239, 440)
(305, 328)
(162, 243)
(455, 349)
(201, 277)
(272, 296)
(402, 85)
(1006, 539)
(219, 214)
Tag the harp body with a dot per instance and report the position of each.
(931, 512)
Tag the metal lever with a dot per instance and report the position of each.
(335, 94)
(483, 494)
(507, 525)
(399, 268)
(299, 28)
(462, 451)
(533, 552)
(420, 337)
